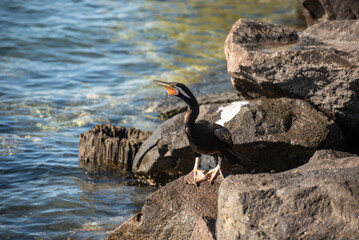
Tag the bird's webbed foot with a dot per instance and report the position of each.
(195, 176)
(211, 174)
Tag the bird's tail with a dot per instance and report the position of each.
(234, 157)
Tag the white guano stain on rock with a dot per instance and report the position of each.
(228, 112)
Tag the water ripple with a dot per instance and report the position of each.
(68, 65)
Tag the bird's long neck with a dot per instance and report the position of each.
(191, 114)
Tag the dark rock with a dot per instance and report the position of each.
(107, 148)
(154, 162)
(173, 212)
(315, 11)
(319, 200)
(278, 134)
(319, 65)
(329, 154)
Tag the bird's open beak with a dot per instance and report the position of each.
(169, 87)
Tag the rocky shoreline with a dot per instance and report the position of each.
(318, 200)
(295, 113)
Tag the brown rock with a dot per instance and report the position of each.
(277, 134)
(319, 200)
(172, 212)
(107, 148)
(204, 230)
(329, 154)
(319, 65)
(154, 163)
(316, 11)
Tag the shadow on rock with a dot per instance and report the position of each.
(277, 134)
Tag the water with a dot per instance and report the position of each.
(66, 66)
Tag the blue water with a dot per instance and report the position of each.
(66, 66)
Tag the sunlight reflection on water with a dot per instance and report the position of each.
(66, 66)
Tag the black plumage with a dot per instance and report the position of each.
(204, 137)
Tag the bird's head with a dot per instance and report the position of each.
(176, 89)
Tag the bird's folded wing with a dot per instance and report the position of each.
(222, 133)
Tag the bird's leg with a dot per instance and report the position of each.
(196, 175)
(213, 172)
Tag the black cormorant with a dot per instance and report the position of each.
(204, 137)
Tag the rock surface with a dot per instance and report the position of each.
(204, 230)
(174, 212)
(154, 161)
(315, 11)
(319, 200)
(278, 134)
(319, 65)
(107, 148)
(329, 154)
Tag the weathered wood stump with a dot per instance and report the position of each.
(111, 149)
